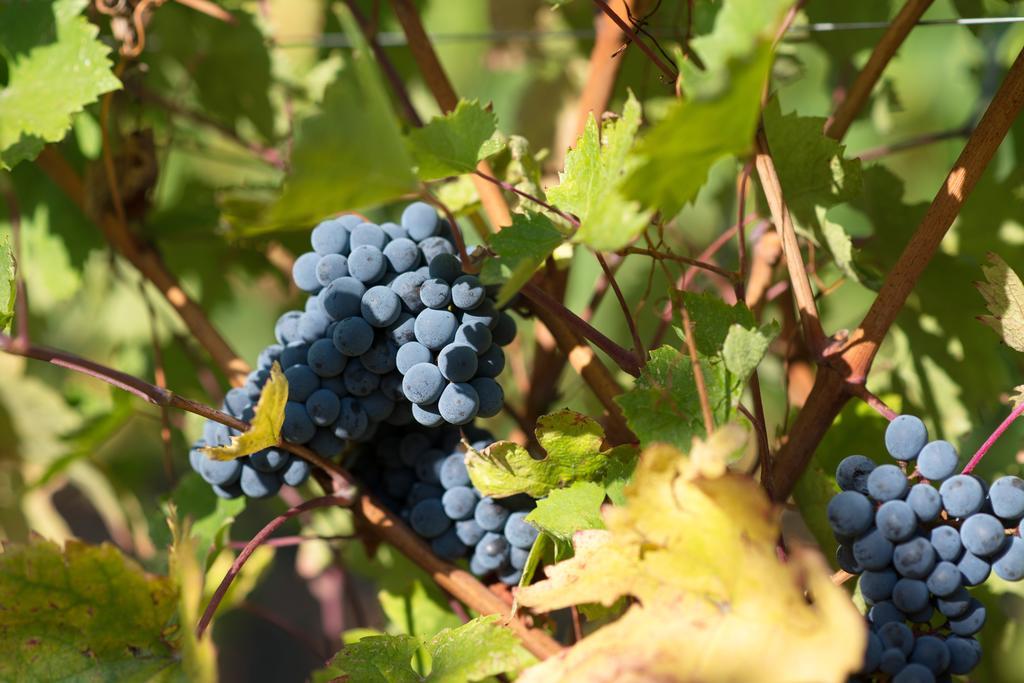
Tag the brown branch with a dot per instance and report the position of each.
(148, 261)
(916, 141)
(698, 373)
(210, 9)
(450, 578)
(665, 69)
(851, 361)
(861, 392)
(696, 263)
(783, 221)
(860, 91)
(567, 217)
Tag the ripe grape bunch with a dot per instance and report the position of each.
(393, 332)
(918, 543)
(420, 474)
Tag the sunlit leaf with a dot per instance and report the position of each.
(7, 283)
(453, 144)
(563, 512)
(521, 248)
(1004, 296)
(265, 429)
(744, 348)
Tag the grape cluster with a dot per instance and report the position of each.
(420, 474)
(918, 547)
(393, 332)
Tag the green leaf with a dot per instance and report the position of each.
(565, 511)
(453, 144)
(265, 429)
(374, 659)
(349, 156)
(590, 185)
(712, 319)
(573, 445)
(521, 248)
(55, 66)
(419, 610)
(7, 282)
(84, 613)
(1004, 296)
(744, 348)
(672, 161)
(207, 516)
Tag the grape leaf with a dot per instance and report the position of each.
(453, 144)
(350, 155)
(712, 319)
(55, 66)
(521, 248)
(418, 611)
(265, 429)
(7, 282)
(1004, 296)
(744, 348)
(563, 512)
(573, 445)
(84, 612)
(696, 547)
(199, 657)
(208, 517)
(590, 185)
(472, 652)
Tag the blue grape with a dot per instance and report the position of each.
(435, 293)
(477, 566)
(491, 362)
(925, 501)
(493, 550)
(973, 569)
(1007, 498)
(982, 534)
(469, 532)
(394, 231)
(447, 546)
(380, 357)
(459, 502)
(330, 268)
(946, 541)
(884, 612)
(914, 673)
(453, 471)
(490, 395)
(846, 561)
(324, 359)
(410, 354)
(954, 605)
(937, 460)
(484, 313)
(476, 335)
(312, 326)
(852, 473)
(905, 437)
(335, 384)
(517, 557)
(257, 484)
(944, 579)
(304, 272)
(457, 362)
(313, 304)
(352, 420)
(964, 654)
(445, 267)
(407, 287)
(237, 403)
(914, 558)
(510, 576)
(427, 518)
(420, 221)
(410, 447)
(427, 414)
(323, 407)
(302, 382)
(428, 467)
(227, 492)
(353, 336)
(467, 292)
(269, 355)
(459, 403)
(490, 514)
(910, 595)
(378, 407)
(295, 353)
(367, 233)
(423, 383)
(367, 263)
(850, 514)
(873, 551)
(434, 329)
(269, 459)
(403, 330)
(329, 237)
(380, 306)
(220, 472)
(402, 254)
(892, 661)
(505, 329)
(286, 327)
(932, 653)
(895, 518)
(297, 427)
(962, 495)
(401, 415)
(1009, 565)
(887, 482)
(972, 620)
(924, 616)
(325, 443)
(898, 635)
(342, 298)
(398, 483)
(423, 491)
(872, 653)
(519, 532)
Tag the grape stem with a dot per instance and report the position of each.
(991, 440)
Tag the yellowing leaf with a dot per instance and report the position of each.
(573, 445)
(695, 546)
(1004, 297)
(265, 429)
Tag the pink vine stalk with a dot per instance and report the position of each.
(991, 440)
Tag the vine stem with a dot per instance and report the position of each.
(698, 373)
(250, 547)
(567, 217)
(991, 440)
(668, 72)
(696, 263)
(638, 345)
(861, 392)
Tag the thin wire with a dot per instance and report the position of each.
(397, 38)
